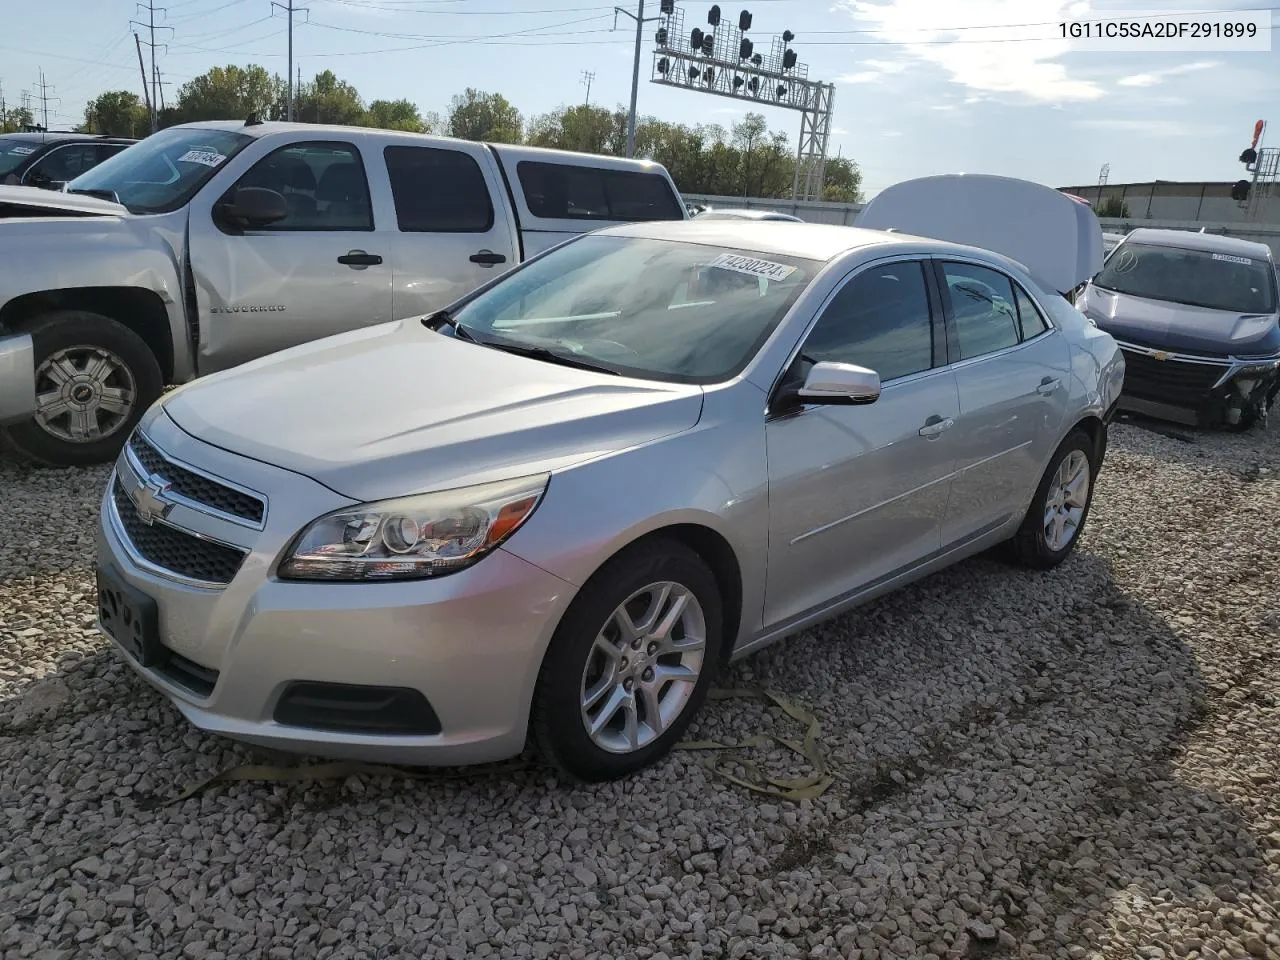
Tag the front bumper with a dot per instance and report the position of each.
(1198, 391)
(470, 643)
(17, 378)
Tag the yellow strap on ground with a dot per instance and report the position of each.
(791, 789)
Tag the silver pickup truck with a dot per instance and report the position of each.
(211, 244)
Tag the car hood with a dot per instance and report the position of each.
(1179, 327)
(28, 201)
(397, 409)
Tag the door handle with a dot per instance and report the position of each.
(358, 258)
(935, 426)
(1048, 386)
(487, 258)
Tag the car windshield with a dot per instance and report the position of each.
(654, 309)
(1200, 278)
(14, 153)
(162, 172)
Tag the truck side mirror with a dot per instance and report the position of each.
(253, 207)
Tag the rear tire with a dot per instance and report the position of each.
(598, 672)
(95, 378)
(1056, 518)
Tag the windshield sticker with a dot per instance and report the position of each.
(1229, 259)
(1126, 260)
(210, 158)
(22, 151)
(752, 266)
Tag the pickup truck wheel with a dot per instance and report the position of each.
(1052, 526)
(95, 378)
(630, 663)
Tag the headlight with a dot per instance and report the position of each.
(413, 537)
(1253, 368)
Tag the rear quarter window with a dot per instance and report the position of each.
(562, 191)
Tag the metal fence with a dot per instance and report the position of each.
(847, 213)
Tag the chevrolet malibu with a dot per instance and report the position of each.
(552, 512)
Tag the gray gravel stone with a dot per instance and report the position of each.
(1074, 764)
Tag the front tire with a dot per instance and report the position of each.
(95, 378)
(630, 663)
(1057, 515)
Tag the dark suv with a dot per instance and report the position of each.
(51, 159)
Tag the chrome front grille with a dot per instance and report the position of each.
(200, 491)
(173, 550)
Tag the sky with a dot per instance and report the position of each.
(921, 86)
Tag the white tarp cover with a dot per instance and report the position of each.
(1058, 240)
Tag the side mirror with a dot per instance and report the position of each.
(254, 207)
(839, 383)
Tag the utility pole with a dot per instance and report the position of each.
(639, 18)
(150, 25)
(44, 101)
(146, 93)
(290, 10)
(587, 77)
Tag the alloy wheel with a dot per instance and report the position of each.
(643, 667)
(1067, 499)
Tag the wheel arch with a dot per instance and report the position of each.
(718, 554)
(141, 310)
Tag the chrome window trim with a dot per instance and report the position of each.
(117, 527)
(1049, 331)
(140, 471)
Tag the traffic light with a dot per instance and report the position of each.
(754, 85)
(788, 59)
(744, 49)
(737, 83)
(708, 75)
(709, 44)
(781, 91)
(713, 16)
(661, 36)
(744, 21)
(757, 60)
(667, 7)
(664, 66)
(1240, 190)
(787, 36)
(695, 39)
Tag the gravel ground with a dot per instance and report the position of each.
(1078, 764)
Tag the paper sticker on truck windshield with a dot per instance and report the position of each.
(752, 266)
(22, 151)
(210, 158)
(1222, 256)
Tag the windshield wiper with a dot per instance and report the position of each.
(550, 356)
(442, 318)
(100, 194)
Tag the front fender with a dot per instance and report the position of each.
(45, 254)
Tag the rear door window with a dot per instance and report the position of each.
(558, 191)
(438, 191)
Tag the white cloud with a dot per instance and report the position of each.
(1148, 128)
(1154, 77)
(875, 70)
(891, 133)
(991, 46)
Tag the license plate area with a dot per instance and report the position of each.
(130, 617)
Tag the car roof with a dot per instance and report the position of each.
(58, 136)
(269, 127)
(742, 214)
(1208, 242)
(808, 241)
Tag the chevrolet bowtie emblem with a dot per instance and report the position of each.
(150, 501)
(1161, 355)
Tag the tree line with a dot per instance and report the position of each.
(746, 159)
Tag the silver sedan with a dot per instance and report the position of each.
(559, 508)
